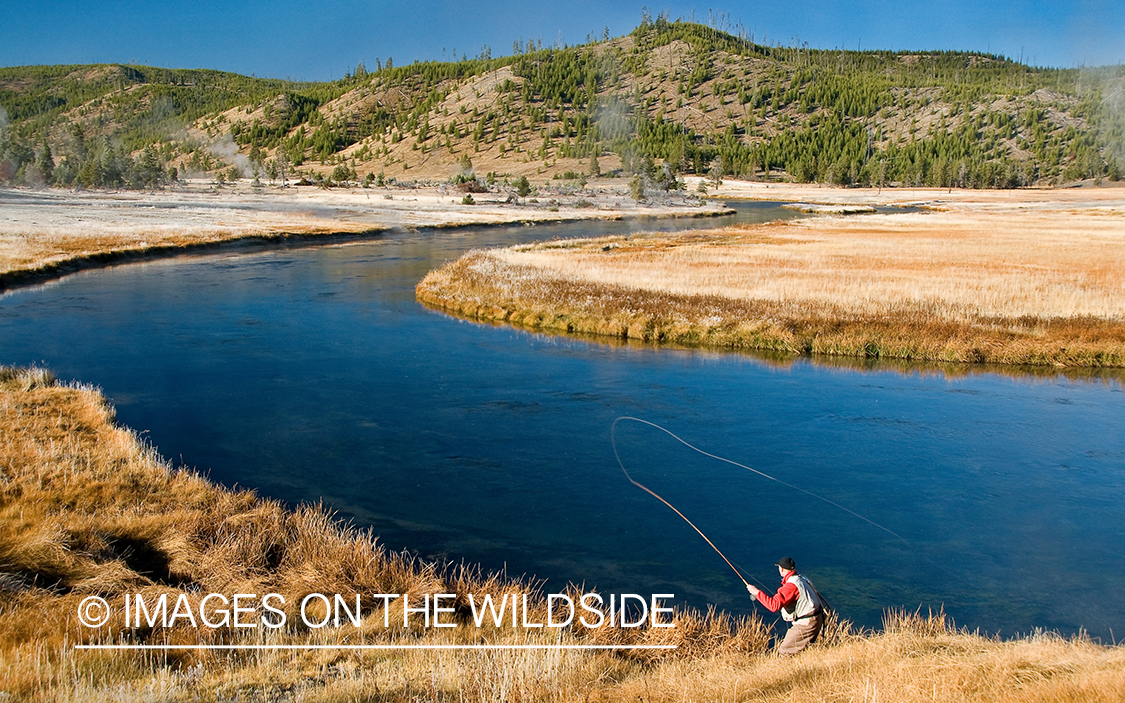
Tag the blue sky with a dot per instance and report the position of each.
(323, 39)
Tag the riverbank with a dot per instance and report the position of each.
(1024, 277)
(89, 510)
(1081, 195)
(51, 232)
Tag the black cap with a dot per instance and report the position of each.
(787, 563)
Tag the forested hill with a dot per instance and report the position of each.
(667, 99)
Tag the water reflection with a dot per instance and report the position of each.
(783, 360)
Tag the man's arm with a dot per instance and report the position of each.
(786, 595)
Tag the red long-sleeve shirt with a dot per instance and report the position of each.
(786, 595)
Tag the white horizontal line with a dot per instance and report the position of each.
(374, 646)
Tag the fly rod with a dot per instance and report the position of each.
(646, 489)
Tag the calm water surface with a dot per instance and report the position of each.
(312, 374)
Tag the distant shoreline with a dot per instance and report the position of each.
(48, 234)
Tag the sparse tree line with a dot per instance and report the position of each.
(95, 163)
(845, 117)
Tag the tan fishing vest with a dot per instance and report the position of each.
(807, 602)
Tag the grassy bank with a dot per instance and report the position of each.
(87, 509)
(1007, 287)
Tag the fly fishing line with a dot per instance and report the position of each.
(613, 441)
(646, 489)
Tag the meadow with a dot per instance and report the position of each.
(1011, 282)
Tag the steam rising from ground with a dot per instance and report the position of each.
(1104, 86)
(1111, 84)
(227, 150)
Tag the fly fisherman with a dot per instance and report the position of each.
(799, 604)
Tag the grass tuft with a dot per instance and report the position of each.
(25, 378)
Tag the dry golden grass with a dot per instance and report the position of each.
(916, 658)
(86, 508)
(967, 284)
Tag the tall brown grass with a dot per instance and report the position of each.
(86, 508)
(919, 289)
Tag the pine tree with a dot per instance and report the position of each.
(46, 163)
(149, 171)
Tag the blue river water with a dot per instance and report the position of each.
(312, 374)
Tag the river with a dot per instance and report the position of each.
(312, 374)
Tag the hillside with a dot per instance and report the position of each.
(669, 98)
